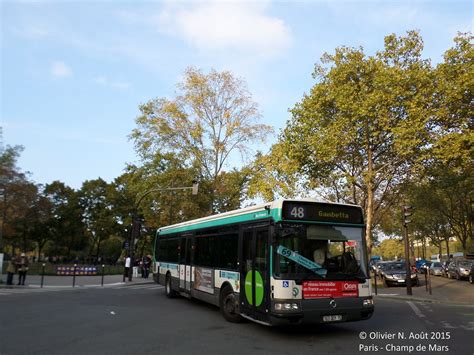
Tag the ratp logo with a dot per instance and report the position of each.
(350, 287)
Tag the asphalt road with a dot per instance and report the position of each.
(139, 319)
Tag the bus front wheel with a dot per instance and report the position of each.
(229, 305)
(168, 290)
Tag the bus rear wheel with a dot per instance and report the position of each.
(229, 305)
(170, 293)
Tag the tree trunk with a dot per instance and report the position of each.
(370, 188)
(370, 205)
(447, 247)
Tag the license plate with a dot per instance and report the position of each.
(401, 281)
(333, 318)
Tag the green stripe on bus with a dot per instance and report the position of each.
(248, 217)
(275, 214)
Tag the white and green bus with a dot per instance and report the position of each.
(287, 261)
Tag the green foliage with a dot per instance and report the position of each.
(373, 127)
(273, 175)
(65, 225)
(362, 130)
(390, 249)
(112, 248)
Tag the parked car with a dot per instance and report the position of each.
(379, 267)
(394, 273)
(419, 265)
(436, 268)
(459, 269)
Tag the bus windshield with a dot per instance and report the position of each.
(309, 252)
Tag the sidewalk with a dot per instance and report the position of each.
(81, 281)
(446, 291)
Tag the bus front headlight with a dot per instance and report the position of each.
(286, 306)
(368, 302)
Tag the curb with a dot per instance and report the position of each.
(126, 284)
(424, 300)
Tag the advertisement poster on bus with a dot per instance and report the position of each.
(334, 289)
(203, 280)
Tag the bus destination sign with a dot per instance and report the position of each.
(322, 212)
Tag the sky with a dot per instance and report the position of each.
(73, 73)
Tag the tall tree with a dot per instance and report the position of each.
(41, 222)
(66, 225)
(365, 124)
(212, 117)
(98, 214)
(11, 181)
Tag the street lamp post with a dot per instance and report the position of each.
(136, 223)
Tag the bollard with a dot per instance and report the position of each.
(426, 280)
(375, 278)
(74, 276)
(103, 270)
(429, 282)
(42, 274)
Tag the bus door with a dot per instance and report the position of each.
(254, 261)
(185, 264)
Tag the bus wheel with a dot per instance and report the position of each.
(168, 290)
(229, 305)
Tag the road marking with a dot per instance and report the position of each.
(388, 294)
(25, 291)
(446, 325)
(427, 307)
(416, 309)
(141, 287)
(35, 289)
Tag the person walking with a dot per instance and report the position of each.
(22, 269)
(126, 271)
(146, 267)
(11, 270)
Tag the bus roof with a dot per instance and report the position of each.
(253, 213)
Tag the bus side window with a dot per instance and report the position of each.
(182, 251)
(261, 250)
(228, 245)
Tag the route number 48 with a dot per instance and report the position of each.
(297, 212)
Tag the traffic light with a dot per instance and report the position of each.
(407, 212)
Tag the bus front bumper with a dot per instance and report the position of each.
(322, 310)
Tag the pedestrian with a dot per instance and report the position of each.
(126, 271)
(146, 267)
(11, 270)
(22, 269)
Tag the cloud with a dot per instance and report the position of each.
(222, 26)
(60, 69)
(106, 82)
